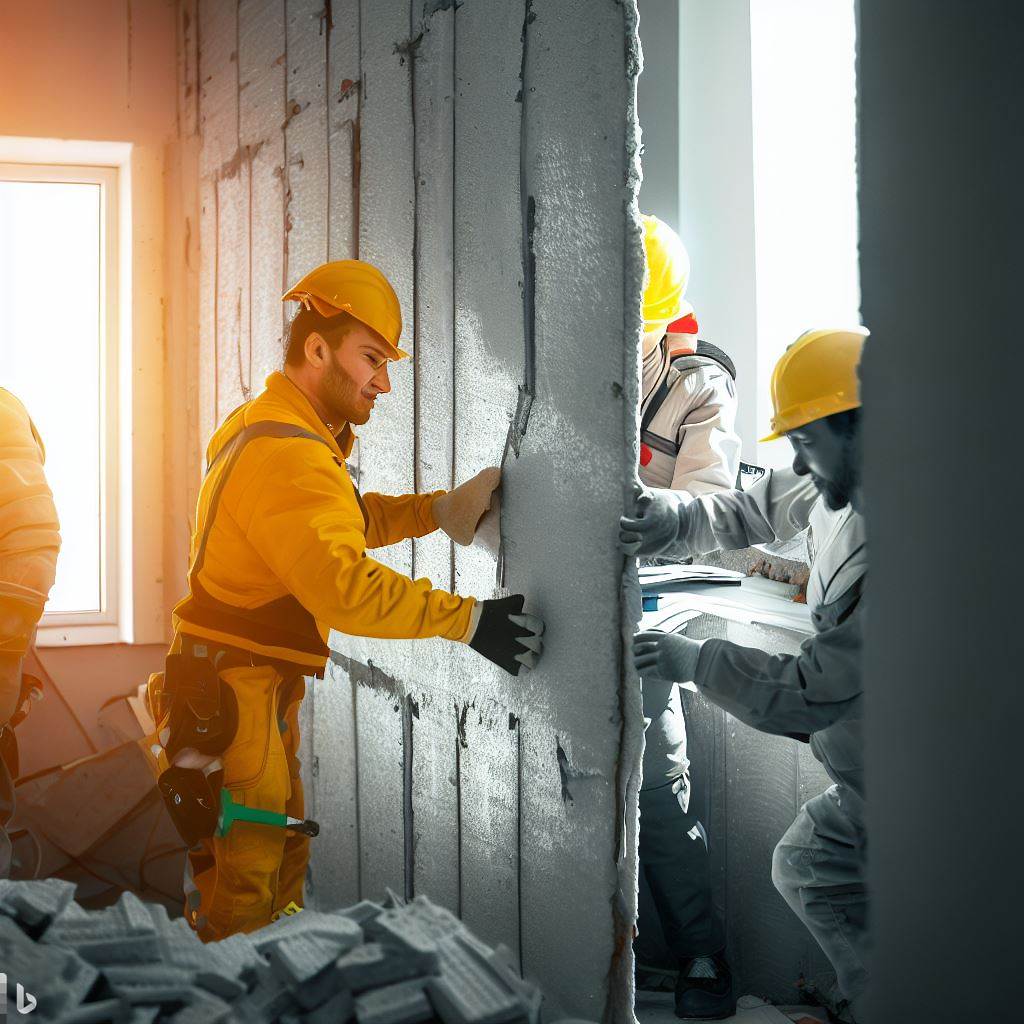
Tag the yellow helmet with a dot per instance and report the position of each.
(668, 270)
(816, 377)
(357, 288)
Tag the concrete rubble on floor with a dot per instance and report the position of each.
(390, 963)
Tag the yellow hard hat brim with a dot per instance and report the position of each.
(326, 309)
(810, 412)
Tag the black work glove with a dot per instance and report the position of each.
(506, 636)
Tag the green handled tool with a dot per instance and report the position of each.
(230, 812)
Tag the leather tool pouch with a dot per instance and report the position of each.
(203, 708)
(190, 802)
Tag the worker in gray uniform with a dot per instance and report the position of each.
(688, 444)
(816, 695)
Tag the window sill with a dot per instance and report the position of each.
(78, 635)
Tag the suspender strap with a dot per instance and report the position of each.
(705, 350)
(656, 402)
(230, 453)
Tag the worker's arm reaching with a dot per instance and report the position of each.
(393, 518)
(776, 507)
(314, 543)
(790, 694)
(458, 512)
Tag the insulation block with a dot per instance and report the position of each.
(469, 989)
(227, 988)
(343, 932)
(363, 912)
(404, 1003)
(121, 934)
(60, 980)
(35, 904)
(149, 983)
(236, 957)
(299, 958)
(371, 966)
(107, 1011)
(265, 1002)
(202, 1008)
(414, 930)
(337, 1010)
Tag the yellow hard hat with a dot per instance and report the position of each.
(668, 270)
(816, 377)
(357, 288)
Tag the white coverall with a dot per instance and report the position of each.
(815, 696)
(690, 445)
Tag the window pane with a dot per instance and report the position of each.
(805, 178)
(51, 358)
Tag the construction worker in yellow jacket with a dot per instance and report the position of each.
(29, 543)
(279, 559)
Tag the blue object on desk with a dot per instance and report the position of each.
(650, 602)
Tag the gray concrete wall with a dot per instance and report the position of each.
(482, 154)
(942, 662)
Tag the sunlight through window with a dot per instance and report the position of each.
(52, 313)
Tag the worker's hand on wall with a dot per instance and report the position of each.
(459, 511)
(670, 656)
(505, 635)
(657, 522)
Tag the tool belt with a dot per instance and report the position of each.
(201, 713)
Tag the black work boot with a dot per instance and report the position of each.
(704, 989)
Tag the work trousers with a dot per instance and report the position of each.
(676, 867)
(819, 868)
(239, 882)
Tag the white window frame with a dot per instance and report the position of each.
(105, 165)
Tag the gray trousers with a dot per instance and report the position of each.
(819, 868)
(676, 868)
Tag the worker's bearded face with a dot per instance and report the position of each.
(831, 458)
(354, 375)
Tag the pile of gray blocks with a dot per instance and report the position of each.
(388, 963)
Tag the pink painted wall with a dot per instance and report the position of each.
(105, 70)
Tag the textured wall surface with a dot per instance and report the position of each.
(482, 154)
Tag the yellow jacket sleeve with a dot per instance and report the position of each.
(392, 519)
(301, 515)
(29, 530)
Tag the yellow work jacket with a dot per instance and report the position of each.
(29, 530)
(285, 556)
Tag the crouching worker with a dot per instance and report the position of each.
(279, 557)
(816, 695)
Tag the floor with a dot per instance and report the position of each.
(657, 1008)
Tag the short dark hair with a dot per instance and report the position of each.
(333, 329)
(845, 424)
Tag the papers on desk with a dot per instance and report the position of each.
(669, 579)
(754, 600)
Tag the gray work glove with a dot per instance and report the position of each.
(668, 656)
(504, 635)
(659, 520)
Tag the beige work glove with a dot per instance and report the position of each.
(459, 512)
